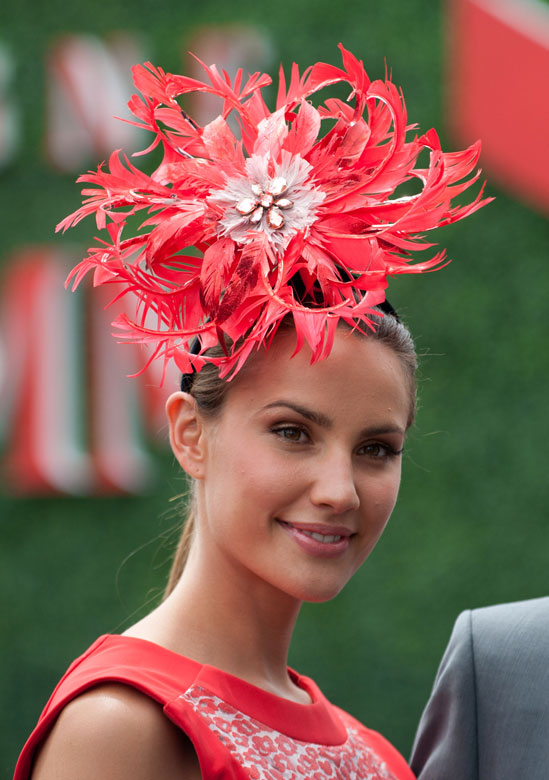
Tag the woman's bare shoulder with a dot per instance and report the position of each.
(115, 732)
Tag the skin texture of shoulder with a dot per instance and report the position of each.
(115, 733)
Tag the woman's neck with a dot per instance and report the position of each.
(243, 628)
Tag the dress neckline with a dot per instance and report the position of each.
(295, 719)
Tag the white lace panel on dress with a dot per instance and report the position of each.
(267, 754)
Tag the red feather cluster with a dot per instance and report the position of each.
(283, 220)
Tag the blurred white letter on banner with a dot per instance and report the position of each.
(89, 84)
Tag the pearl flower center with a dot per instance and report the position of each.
(269, 202)
(277, 200)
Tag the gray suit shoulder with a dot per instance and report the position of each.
(510, 631)
(524, 611)
(488, 714)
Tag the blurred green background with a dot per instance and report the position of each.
(470, 527)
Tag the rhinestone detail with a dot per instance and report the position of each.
(268, 202)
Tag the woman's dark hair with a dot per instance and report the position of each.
(209, 392)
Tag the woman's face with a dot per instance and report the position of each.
(301, 469)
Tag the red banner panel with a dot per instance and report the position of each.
(498, 89)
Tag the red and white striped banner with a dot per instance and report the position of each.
(70, 418)
(40, 391)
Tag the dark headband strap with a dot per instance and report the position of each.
(187, 379)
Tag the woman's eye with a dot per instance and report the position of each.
(291, 433)
(379, 451)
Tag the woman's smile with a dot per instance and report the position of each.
(324, 541)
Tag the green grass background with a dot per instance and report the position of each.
(470, 527)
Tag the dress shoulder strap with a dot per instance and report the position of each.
(156, 672)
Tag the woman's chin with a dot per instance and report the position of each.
(319, 592)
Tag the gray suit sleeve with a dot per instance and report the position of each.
(445, 747)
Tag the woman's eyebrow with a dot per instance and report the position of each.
(309, 414)
(379, 430)
(325, 422)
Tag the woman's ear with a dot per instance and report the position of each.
(186, 433)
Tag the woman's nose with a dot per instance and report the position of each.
(334, 483)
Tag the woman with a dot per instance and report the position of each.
(297, 393)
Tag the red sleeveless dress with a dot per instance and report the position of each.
(238, 730)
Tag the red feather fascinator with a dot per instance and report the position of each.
(284, 220)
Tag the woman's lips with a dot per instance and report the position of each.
(322, 541)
